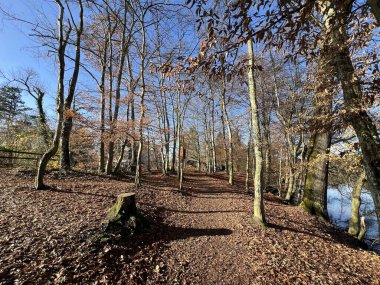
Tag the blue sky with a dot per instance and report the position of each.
(19, 51)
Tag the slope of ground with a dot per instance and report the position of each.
(201, 236)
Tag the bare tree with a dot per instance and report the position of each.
(62, 44)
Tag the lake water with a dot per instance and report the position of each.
(339, 209)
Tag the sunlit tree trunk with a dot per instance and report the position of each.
(357, 115)
(68, 116)
(258, 205)
(315, 190)
(174, 138)
(292, 154)
(206, 136)
(224, 141)
(314, 198)
(101, 167)
(267, 156)
(62, 42)
(179, 130)
(142, 105)
(228, 124)
(248, 156)
(113, 123)
(212, 131)
(354, 227)
(148, 152)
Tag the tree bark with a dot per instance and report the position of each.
(314, 198)
(122, 51)
(224, 142)
(142, 105)
(101, 167)
(248, 157)
(212, 131)
(207, 143)
(258, 205)
(354, 227)
(68, 117)
(43, 126)
(62, 42)
(315, 191)
(357, 116)
(230, 144)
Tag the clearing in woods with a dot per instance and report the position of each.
(203, 236)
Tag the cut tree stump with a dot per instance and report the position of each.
(123, 217)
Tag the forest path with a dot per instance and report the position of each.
(213, 214)
(216, 243)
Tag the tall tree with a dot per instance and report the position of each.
(258, 204)
(68, 112)
(62, 44)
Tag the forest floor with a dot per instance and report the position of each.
(202, 236)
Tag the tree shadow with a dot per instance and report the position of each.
(171, 233)
(55, 189)
(336, 235)
(156, 239)
(162, 210)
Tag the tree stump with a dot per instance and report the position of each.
(123, 217)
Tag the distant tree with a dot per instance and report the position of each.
(11, 104)
(27, 80)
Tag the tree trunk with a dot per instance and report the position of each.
(198, 152)
(258, 205)
(120, 160)
(314, 198)
(113, 123)
(292, 152)
(280, 174)
(291, 181)
(62, 42)
(101, 167)
(315, 191)
(267, 157)
(208, 165)
(43, 126)
(68, 118)
(108, 168)
(148, 152)
(181, 162)
(357, 115)
(224, 143)
(174, 148)
(212, 131)
(179, 131)
(248, 157)
(354, 226)
(65, 143)
(230, 145)
(142, 106)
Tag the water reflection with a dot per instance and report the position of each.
(339, 208)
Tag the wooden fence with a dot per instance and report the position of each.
(9, 157)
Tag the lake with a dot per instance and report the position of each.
(339, 209)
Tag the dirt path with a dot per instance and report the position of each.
(223, 247)
(214, 251)
(203, 236)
